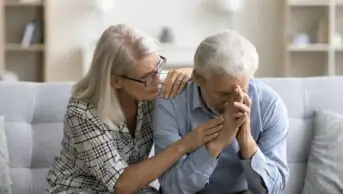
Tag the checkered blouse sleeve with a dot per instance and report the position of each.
(97, 148)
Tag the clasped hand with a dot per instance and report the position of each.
(236, 124)
(218, 133)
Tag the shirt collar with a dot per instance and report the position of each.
(198, 101)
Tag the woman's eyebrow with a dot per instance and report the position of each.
(151, 72)
(146, 74)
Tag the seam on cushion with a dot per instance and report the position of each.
(33, 116)
(34, 101)
(31, 177)
(305, 100)
(46, 122)
(32, 187)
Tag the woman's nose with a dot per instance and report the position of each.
(155, 83)
(157, 79)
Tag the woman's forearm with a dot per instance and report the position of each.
(140, 175)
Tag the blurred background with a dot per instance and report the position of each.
(53, 40)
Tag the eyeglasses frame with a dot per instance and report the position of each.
(158, 70)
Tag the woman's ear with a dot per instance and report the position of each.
(116, 82)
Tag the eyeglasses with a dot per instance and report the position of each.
(148, 80)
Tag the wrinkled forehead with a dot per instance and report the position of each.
(225, 83)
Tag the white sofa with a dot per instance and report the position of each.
(34, 114)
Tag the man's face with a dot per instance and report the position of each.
(219, 89)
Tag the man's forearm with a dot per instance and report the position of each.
(214, 148)
(141, 174)
(264, 175)
(248, 148)
(190, 175)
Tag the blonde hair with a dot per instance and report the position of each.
(226, 52)
(117, 50)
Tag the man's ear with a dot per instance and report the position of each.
(116, 82)
(196, 77)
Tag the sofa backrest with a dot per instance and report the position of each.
(34, 115)
(33, 122)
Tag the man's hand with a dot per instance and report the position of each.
(202, 134)
(245, 140)
(230, 128)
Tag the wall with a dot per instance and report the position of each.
(339, 28)
(2, 41)
(71, 26)
(262, 23)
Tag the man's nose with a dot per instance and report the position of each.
(226, 104)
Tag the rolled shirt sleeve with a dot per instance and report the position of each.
(267, 171)
(191, 173)
(97, 149)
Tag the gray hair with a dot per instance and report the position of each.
(117, 50)
(226, 52)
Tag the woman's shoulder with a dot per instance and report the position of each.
(85, 110)
(81, 108)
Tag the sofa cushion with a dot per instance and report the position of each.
(323, 93)
(299, 140)
(324, 169)
(297, 173)
(5, 177)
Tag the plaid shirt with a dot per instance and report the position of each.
(93, 155)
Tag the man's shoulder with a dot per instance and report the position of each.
(263, 91)
(180, 99)
(269, 100)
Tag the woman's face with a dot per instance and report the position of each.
(143, 79)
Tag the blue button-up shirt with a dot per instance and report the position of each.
(199, 172)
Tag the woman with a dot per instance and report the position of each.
(107, 131)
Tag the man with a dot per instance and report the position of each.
(249, 155)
